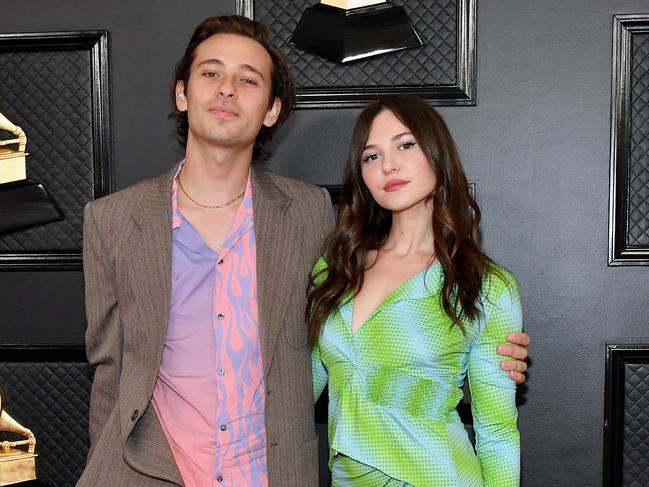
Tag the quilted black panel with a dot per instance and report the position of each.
(49, 94)
(433, 64)
(51, 398)
(635, 462)
(638, 192)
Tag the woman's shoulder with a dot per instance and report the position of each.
(320, 264)
(498, 281)
(319, 271)
(501, 302)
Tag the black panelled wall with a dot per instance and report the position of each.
(537, 145)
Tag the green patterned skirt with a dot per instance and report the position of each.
(347, 472)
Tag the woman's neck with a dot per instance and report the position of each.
(411, 232)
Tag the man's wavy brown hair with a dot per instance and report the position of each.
(363, 225)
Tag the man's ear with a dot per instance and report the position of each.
(181, 96)
(273, 113)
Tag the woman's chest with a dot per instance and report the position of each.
(409, 333)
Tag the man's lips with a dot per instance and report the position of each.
(223, 112)
(394, 184)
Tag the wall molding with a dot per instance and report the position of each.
(424, 72)
(626, 459)
(628, 226)
(56, 86)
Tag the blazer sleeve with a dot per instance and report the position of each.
(103, 334)
(493, 393)
(329, 217)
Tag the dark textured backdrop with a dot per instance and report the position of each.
(537, 143)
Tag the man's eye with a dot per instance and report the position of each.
(211, 74)
(249, 81)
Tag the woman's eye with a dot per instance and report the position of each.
(370, 157)
(407, 145)
(211, 74)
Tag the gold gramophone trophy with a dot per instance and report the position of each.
(16, 465)
(23, 202)
(12, 162)
(344, 31)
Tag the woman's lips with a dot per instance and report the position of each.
(394, 184)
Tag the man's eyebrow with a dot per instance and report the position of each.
(246, 67)
(212, 61)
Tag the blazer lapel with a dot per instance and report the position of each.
(277, 240)
(149, 272)
(151, 269)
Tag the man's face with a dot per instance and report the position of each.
(227, 95)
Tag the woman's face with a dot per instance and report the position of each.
(394, 167)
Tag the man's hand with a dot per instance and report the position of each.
(516, 348)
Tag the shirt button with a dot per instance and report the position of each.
(223, 372)
(220, 262)
(220, 316)
(135, 414)
(219, 479)
(223, 427)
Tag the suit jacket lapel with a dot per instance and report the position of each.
(150, 255)
(150, 279)
(277, 239)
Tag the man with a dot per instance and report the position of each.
(195, 290)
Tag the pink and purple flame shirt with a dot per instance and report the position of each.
(210, 392)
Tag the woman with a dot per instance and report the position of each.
(405, 305)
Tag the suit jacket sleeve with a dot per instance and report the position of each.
(103, 334)
(318, 371)
(329, 216)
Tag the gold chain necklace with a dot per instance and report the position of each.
(209, 206)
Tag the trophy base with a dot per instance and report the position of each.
(17, 466)
(12, 165)
(25, 204)
(345, 36)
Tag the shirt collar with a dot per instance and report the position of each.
(175, 212)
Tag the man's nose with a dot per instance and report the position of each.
(226, 88)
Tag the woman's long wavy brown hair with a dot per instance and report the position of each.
(363, 225)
